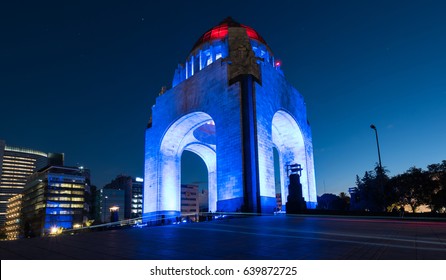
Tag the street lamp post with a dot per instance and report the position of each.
(380, 171)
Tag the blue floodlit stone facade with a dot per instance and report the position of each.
(231, 105)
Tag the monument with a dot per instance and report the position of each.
(230, 104)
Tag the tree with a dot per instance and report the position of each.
(370, 190)
(439, 201)
(438, 173)
(438, 176)
(414, 187)
(344, 197)
(376, 191)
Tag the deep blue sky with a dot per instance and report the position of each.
(80, 77)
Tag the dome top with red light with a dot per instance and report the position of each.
(221, 31)
(213, 45)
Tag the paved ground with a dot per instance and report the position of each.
(265, 237)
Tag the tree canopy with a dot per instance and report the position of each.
(377, 192)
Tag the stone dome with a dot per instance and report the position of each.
(221, 31)
(214, 45)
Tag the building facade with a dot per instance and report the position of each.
(189, 200)
(230, 104)
(108, 201)
(13, 224)
(16, 165)
(137, 198)
(123, 192)
(54, 198)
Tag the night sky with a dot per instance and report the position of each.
(80, 77)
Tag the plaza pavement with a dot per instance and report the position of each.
(298, 237)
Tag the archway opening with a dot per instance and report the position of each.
(193, 133)
(194, 186)
(288, 139)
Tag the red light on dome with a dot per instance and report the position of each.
(252, 33)
(278, 63)
(221, 31)
(218, 32)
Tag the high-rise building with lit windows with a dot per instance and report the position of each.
(124, 192)
(137, 197)
(108, 199)
(16, 165)
(13, 217)
(54, 198)
(189, 200)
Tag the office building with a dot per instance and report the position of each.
(110, 202)
(16, 165)
(189, 200)
(54, 198)
(13, 224)
(123, 192)
(137, 198)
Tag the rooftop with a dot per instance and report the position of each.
(221, 31)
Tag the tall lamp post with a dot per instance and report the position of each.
(380, 171)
